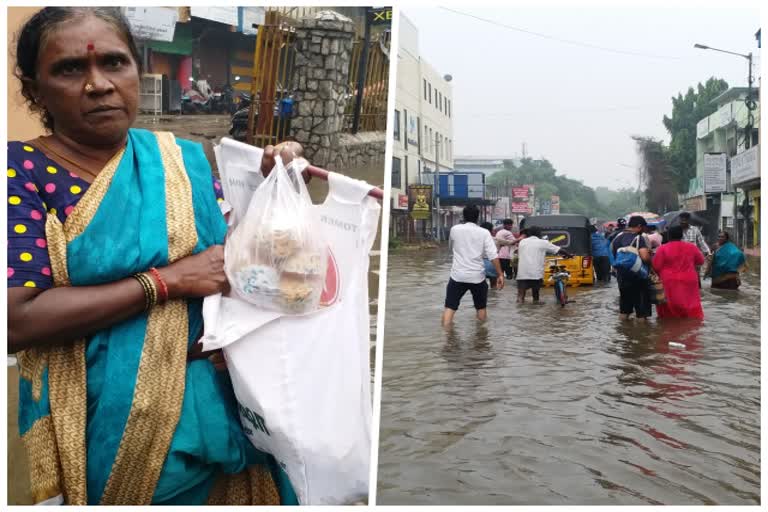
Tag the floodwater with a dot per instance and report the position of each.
(550, 406)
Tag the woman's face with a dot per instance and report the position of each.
(90, 51)
(721, 238)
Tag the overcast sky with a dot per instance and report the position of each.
(574, 105)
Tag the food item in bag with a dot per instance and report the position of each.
(276, 257)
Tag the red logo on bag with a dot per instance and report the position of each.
(332, 282)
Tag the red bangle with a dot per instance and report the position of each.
(162, 285)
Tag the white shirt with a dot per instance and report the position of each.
(470, 244)
(531, 255)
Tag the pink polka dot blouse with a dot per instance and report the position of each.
(36, 185)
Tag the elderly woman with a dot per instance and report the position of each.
(114, 237)
(727, 262)
(675, 262)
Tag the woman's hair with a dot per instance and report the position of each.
(675, 233)
(488, 226)
(35, 32)
(726, 235)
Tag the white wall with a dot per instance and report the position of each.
(407, 106)
(435, 116)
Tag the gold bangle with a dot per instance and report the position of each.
(144, 289)
(150, 290)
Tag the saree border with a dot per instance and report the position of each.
(160, 382)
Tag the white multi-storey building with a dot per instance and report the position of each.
(423, 123)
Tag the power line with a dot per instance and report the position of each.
(565, 41)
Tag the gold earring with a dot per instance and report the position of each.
(89, 87)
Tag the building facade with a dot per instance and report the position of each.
(423, 133)
(726, 189)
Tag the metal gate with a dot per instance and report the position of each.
(269, 116)
(372, 70)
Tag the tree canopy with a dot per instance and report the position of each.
(575, 197)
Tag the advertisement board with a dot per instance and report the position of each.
(420, 201)
(226, 15)
(402, 201)
(501, 209)
(555, 208)
(520, 192)
(715, 165)
(412, 131)
(520, 208)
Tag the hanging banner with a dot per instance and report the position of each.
(412, 132)
(420, 201)
(715, 172)
(532, 206)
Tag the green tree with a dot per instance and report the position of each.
(687, 111)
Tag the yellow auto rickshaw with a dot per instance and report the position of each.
(571, 232)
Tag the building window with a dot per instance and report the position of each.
(449, 108)
(396, 183)
(397, 125)
(425, 88)
(430, 93)
(431, 140)
(426, 138)
(440, 102)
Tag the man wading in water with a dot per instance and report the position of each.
(470, 244)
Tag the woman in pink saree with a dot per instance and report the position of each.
(676, 263)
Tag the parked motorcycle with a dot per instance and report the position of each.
(198, 99)
(239, 122)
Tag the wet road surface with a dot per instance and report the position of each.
(547, 406)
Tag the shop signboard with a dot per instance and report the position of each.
(520, 208)
(152, 23)
(420, 201)
(520, 192)
(744, 166)
(226, 14)
(715, 172)
(402, 201)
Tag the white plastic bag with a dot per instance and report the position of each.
(302, 382)
(276, 256)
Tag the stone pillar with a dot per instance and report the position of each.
(321, 74)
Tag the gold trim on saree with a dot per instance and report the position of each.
(253, 486)
(159, 391)
(44, 468)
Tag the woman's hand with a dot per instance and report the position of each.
(198, 275)
(287, 151)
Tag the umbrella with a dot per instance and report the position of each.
(672, 219)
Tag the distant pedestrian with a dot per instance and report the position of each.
(727, 262)
(490, 270)
(654, 238)
(676, 263)
(504, 240)
(470, 245)
(621, 225)
(634, 294)
(532, 251)
(692, 234)
(601, 256)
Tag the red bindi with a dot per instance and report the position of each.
(90, 47)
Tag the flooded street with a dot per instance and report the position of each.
(552, 407)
